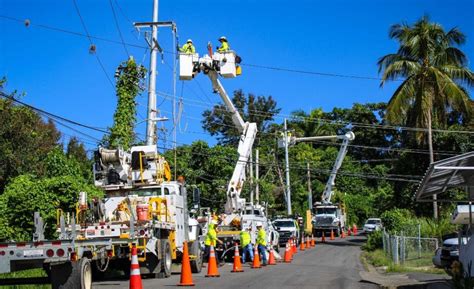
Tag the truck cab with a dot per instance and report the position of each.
(327, 218)
(287, 228)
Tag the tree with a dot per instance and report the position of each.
(434, 71)
(129, 77)
(261, 110)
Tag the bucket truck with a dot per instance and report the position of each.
(239, 214)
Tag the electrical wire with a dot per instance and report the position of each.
(118, 28)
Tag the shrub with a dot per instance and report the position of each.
(374, 241)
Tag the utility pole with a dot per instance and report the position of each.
(251, 177)
(151, 115)
(310, 192)
(287, 171)
(257, 193)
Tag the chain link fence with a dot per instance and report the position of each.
(402, 248)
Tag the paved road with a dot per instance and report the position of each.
(332, 265)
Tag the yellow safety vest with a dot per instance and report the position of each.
(261, 237)
(244, 238)
(211, 236)
(224, 47)
(188, 48)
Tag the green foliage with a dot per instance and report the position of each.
(398, 220)
(374, 241)
(129, 78)
(26, 194)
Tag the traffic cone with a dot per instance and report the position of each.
(212, 264)
(186, 276)
(256, 259)
(302, 246)
(308, 244)
(349, 232)
(343, 235)
(332, 235)
(313, 241)
(237, 264)
(354, 229)
(293, 247)
(287, 253)
(135, 277)
(271, 258)
(323, 238)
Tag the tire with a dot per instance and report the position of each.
(69, 275)
(166, 261)
(196, 265)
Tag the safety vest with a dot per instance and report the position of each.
(211, 236)
(188, 48)
(224, 47)
(261, 237)
(244, 239)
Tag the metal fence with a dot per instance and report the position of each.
(405, 248)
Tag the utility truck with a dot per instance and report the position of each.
(329, 216)
(238, 214)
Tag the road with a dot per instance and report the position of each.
(335, 264)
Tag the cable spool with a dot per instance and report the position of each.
(109, 156)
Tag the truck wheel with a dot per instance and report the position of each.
(196, 265)
(165, 263)
(72, 276)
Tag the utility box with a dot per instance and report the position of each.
(186, 65)
(226, 62)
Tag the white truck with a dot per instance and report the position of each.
(238, 214)
(327, 216)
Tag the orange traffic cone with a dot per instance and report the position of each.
(313, 241)
(349, 232)
(135, 277)
(354, 229)
(212, 264)
(271, 258)
(256, 259)
(186, 276)
(237, 264)
(323, 238)
(308, 243)
(302, 246)
(287, 253)
(343, 235)
(293, 247)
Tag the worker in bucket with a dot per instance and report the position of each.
(224, 45)
(188, 48)
(211, 238)
(246, 244)
(262, 243)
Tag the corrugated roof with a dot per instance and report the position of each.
(457, 171)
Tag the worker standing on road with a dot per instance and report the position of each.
(211, 238)
(246, 244)
(262, 243)
(188, 48)
(224, 45)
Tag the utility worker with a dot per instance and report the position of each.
(224, 45)
(262, 243)
(211, 238)
(188, 48)
(246, 244)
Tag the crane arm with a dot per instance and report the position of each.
(328, 190)
(249, 131)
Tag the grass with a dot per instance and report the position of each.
(32, 273)
(424, 264)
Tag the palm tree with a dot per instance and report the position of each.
(433, 71)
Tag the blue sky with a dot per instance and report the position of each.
(58, 74)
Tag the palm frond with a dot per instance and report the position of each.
(401, 101)
(400, 68)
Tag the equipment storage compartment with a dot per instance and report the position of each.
(226, 63)
(186, 65)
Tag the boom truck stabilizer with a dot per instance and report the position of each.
(239, 214)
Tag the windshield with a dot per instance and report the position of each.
(287, 224)
(329, 211)
(373, 222)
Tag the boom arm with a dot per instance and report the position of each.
(328, 190)
(249, 131)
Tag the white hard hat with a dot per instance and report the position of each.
(223, 38)
(189, 40)
(259, 224)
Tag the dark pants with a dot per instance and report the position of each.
(262, 250)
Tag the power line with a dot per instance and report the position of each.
(118, 28)
(91, 43)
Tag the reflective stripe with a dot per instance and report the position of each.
(134, 259)
(134, 272)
